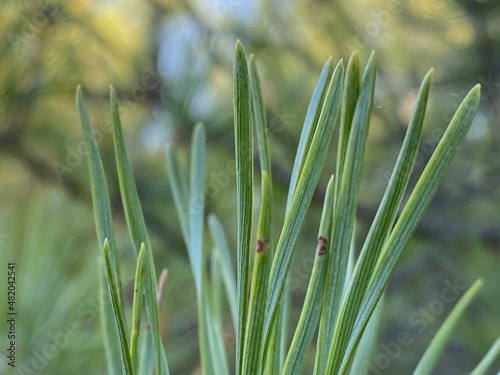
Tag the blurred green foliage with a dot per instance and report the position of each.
(170, 62)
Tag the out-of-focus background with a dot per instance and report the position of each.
(171, 64)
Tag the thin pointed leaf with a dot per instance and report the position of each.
(244, 191)
(279, 342)
(213, 359)
(102, 214)
(137, 227)
(434, 350)
(382, 224)
(122, 343)
(205, 341)
(412, 213)
(259, 117)
(284, 309)
(179, 188)
(272, 365)
(159, 295)
(345, 211)
(279, 334)
(311, 308)
(209, 357)
(197, 203)
(109, 329)
(366, 348)
(252, 357)
(216, 286)
(253, 353)
(227, 272)
(137, 305)
(213, 356)
(349, 99)
(302, 196)
(216, 264)
(275, 359)
(128, 190)
(310, 122)
(99, 188)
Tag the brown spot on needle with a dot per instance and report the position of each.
(321, 249)
(260, 246)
